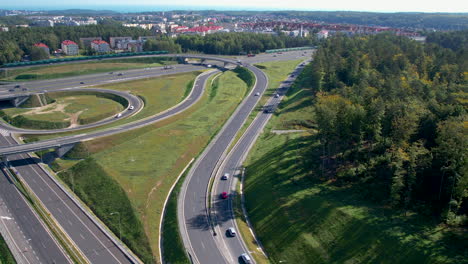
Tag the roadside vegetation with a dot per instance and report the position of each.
(76, 69)
(145, 162)
(353, 188)
(5, 255)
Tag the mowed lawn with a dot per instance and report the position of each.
(300, 219)
(146, 162)
(159, 94)
(75, 69)
(69, 107)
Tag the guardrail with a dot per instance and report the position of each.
(105, 56)
(290, 49)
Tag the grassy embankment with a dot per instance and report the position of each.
(145, 162)
(276, 72)
(302, 220)
(75, 69)
(5, 255)
(65, 109)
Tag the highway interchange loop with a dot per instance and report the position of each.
(194, 219)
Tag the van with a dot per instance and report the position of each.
(245, 258)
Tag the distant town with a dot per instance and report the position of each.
(174, 24)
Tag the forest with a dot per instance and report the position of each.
(391, 116)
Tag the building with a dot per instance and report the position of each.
(323, 34)
(3, 28)
(145, 38)
(100, 46)
(69, 47)
(86, 42)
(134, 46)
(113, 41)
(43, 46)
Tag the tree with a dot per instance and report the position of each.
(38, 54)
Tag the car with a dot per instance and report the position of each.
(120, 74)
(231, 232)
(276, 95)
(292, 75)
(17, 86)
(245, 258)
(225, 176)
(131, 107)
(118, 115)
(257, 94)
(24, 89)
(224, 195)
(111, 72)
(81, 82)
(274, 55)
(11, 90)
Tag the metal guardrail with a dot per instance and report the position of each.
(115, 55)
(290, 49)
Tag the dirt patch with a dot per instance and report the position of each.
(74, 119)
(47, 109)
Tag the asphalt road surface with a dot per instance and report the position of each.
(222, 213)
(32, 241)
(89, 238)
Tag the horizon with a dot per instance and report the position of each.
(121, 6)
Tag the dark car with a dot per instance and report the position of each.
(81, 82)
(11, 90)
(17, 86)
(24, 89)
(120, 74)
(224, 195)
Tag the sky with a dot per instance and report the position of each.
(456, 6)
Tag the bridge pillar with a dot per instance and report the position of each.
(5, 160)
(62, 150)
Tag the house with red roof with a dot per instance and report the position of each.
(69, 47)
(43, 46)
(100, 46)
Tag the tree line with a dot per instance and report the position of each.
(19, 41)
(391, 116)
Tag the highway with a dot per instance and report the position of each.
(192, 209)
(81, 229)
(32, 242)
(222, 212)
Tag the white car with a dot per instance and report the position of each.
(231, 232)
(225, 176)
(131, 107)
(257, 94)
(276, 95)
(118, 115)
(246, 258)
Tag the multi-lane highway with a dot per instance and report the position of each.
(29, 238)
(222, 213)
(195, 227)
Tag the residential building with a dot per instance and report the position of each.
(100, 46)
(322, 34)
(86, 42)
(43, 47)
(113, 41)
(69, 47)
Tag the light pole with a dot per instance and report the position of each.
(120, 227)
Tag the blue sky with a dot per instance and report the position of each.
(347, 5)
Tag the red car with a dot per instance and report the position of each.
(224, 195)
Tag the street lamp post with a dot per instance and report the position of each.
(120, 227)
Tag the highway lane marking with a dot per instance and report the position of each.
(82, 236)
(79, 219)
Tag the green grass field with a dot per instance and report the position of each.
(146, 161)
(159, 94)
(302, 220)
(75, 109)
(5, 255)
(75, 69)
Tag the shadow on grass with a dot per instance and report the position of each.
(301, 219)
